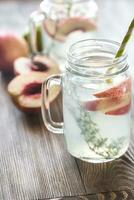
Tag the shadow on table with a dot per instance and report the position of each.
(34, 121)
(112, 176)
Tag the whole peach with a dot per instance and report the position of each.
(11, 47)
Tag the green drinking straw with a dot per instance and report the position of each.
(123, 45)
(125, 40)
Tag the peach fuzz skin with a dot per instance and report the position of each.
(11, 47)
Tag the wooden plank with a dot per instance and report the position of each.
(117, 175)
(33, 163)
(115, 195)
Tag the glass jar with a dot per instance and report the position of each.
(63, 22)
(96, 91)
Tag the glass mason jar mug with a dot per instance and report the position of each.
(61, 22)
(96, 101)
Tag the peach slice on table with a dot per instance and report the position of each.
(25, 65)
(59, 30)
(25, 91)
(111, 106)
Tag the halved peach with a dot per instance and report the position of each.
(25, 91)
(25, 65)
(11, 47)
(59, 30)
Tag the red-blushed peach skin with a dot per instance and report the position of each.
(116, 91)
(59, 30)
(113, 101)
(120, 111)
(107, 105)
(25, 90)
(24, 65)
(11, 47)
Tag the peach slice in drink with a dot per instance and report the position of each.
(116, 91)
(59, 30)
(120, 111)
(112, 105)
(113, 101)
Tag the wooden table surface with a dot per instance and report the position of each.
(35, 164)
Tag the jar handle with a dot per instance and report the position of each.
(55, 127)
(36, 32)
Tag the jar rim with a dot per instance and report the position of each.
(116, 60)
(95, 58)
(64, 3)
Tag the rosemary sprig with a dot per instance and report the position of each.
(95, 141)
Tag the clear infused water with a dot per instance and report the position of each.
(90, 133)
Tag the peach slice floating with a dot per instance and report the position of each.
(107, 105)
(116, 91)
(59, 30)
(113, 101)
(25, 91)
(24, 65)
(120, 111)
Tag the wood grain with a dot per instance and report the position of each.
(34, 164)
(115, 195)
(116, 175)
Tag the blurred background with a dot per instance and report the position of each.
(114, 15)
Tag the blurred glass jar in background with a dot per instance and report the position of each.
(62, 23)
